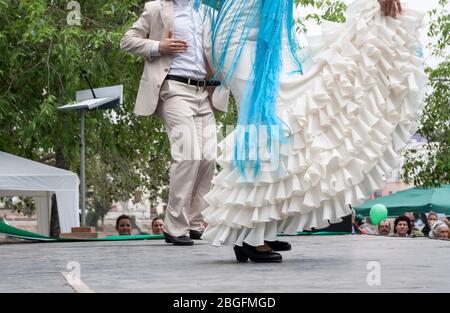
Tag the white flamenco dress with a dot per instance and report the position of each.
(349, 116)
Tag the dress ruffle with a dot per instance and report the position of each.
(345, 131)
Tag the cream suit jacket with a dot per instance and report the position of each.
(154, 22)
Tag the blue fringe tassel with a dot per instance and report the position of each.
(258, 124)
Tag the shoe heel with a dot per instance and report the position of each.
(241, 257)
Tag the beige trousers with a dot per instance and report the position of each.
(191, 127)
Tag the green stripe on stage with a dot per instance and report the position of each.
(319, 233)
(15, 232)
(23, 234)
(117, 238)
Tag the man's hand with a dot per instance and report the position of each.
(171, 46)
(390, 7)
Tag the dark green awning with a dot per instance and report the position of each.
(412, 200)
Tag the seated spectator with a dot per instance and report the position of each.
(439, 230)
(415, 232)
(446, 220)
(365, 224)
(431, 219)
(384, 228)
(402, 226)
(124, 225)
(356, 221)
(157, 226)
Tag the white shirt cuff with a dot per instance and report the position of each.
(154, 49)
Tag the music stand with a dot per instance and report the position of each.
(89, 100)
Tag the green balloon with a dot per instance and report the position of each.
(378, 213)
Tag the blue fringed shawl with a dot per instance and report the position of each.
(257, 120)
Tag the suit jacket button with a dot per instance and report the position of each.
(166, 70)
(159, 86)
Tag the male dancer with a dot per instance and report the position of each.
(175, 41)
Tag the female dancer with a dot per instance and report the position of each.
(315, 133)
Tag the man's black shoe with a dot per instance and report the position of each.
(195, 234)
(178, 241)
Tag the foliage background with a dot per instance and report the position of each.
(41, 57)
(430, 167)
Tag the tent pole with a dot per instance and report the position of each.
(82, 172)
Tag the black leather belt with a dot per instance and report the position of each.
(193, 82)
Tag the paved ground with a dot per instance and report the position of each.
(316, 264)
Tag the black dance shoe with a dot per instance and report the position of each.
(279, 245)
(249, 252)
(195, 234)
(178, 241)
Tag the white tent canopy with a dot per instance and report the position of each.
(22, 177)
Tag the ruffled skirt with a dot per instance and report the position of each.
(348, 119)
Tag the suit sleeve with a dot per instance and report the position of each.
(136, 41)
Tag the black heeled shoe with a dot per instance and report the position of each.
(249, 252)
(178, 241)
(279, 245)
